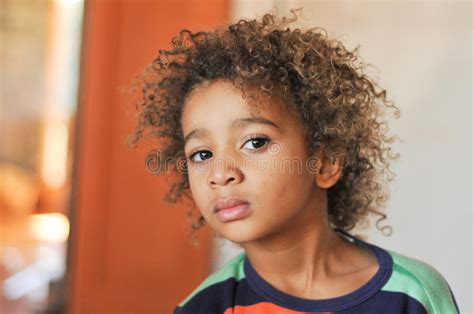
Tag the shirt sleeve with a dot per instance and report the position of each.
(422, 282)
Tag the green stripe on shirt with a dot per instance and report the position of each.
(232, 269)
(421, 282)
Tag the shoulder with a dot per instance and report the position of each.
(422, 282)
(218, 282)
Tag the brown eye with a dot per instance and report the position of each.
(256, 143)
(203, 154)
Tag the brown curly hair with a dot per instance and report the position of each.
(341, 107)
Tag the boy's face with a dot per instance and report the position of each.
(270, 173)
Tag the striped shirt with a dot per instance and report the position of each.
(401, 285)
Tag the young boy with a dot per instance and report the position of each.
(277, 135)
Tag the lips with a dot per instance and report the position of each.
(228, 203)
(232, 209)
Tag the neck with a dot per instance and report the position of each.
(304, 251)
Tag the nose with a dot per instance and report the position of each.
(224, 172)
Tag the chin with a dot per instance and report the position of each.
(239, 232)
(238, 239)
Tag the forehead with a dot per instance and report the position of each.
(217, 104)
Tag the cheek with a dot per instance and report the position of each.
(283, 187)
(198, 190)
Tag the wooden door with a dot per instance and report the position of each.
(128, 250)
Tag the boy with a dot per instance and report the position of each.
(277, 134)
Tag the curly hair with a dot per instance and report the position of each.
(341, 107)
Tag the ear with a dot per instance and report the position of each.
(329, 170)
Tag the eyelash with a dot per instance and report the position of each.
(252, 137)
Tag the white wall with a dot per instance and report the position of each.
(423, 51)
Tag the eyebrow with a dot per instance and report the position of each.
(236, 124)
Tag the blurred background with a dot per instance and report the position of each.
(83, 228)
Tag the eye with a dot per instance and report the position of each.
(201, 154)
(257, 142)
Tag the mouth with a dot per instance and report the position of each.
(230, 209)
(227, 203)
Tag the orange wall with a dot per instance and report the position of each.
(128, 250)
